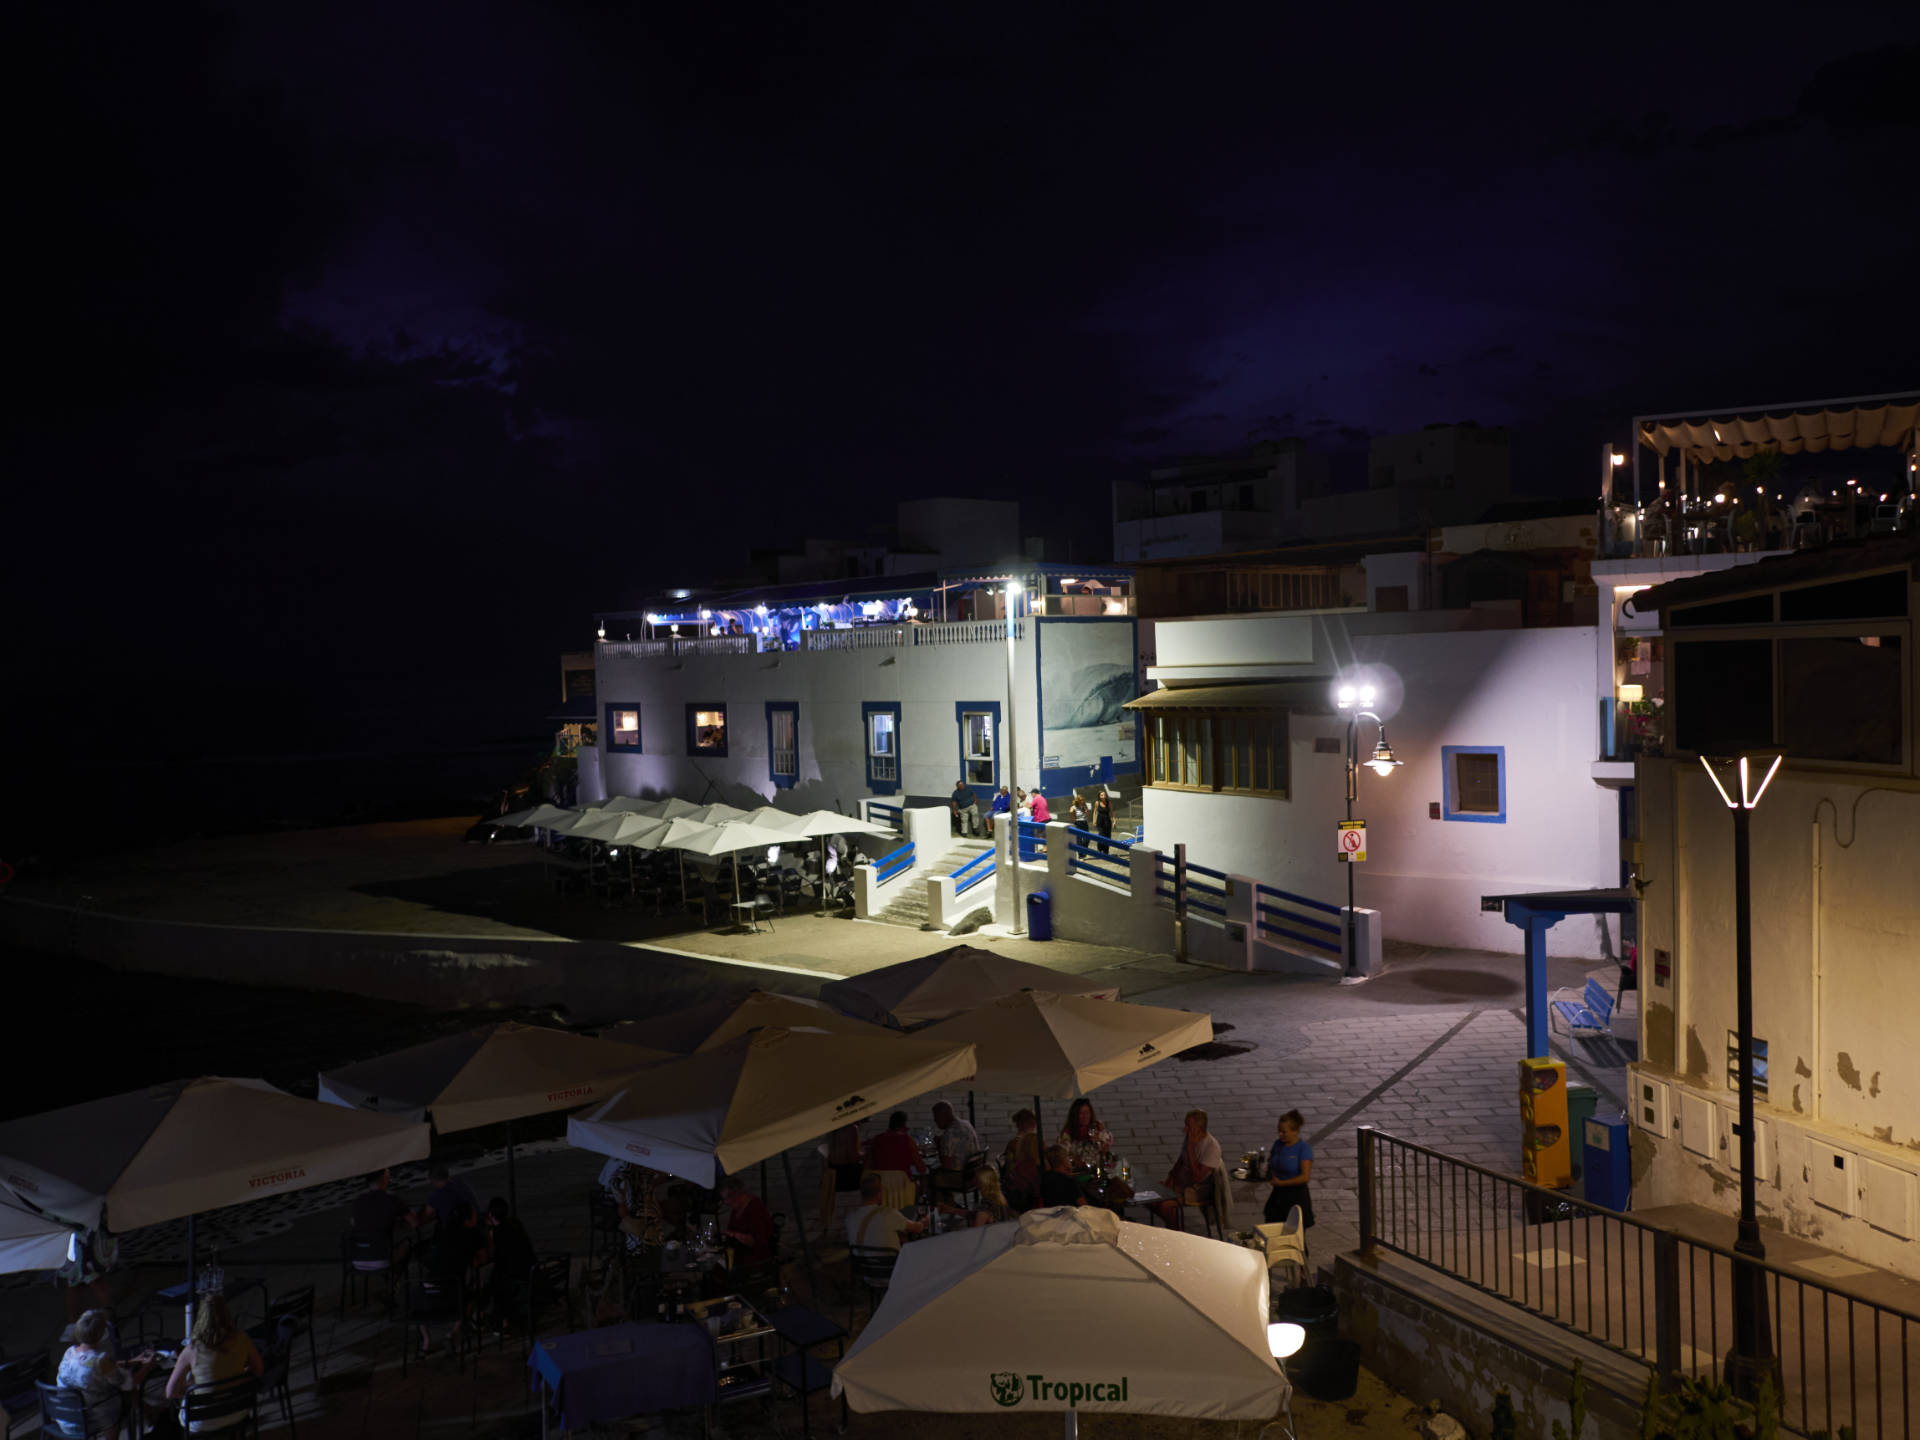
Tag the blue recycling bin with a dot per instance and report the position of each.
(1608, 1167)
(1040, 916)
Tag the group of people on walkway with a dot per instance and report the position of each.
(1095, 814)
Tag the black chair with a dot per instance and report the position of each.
(427, 1302)
(603, 1223)
(291, 1314)
(364, 1254)
(275, 1382)
(805, 1377)
(547, 1292)
(221, 1401)
(752, 1282)
(17, 1396)
(872, 1268)
(63, 1414)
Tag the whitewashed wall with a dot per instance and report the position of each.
(1530, 691)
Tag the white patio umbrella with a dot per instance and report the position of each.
(619, 827)
(943, 984)
(1070, 1310)
(30, 1240)
(819, 824)
(545, 817)
(497, 1073)
(729, 837)
(716, 813)
(192, 1145)
(758, 1095)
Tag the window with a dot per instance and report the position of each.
(1474, 782)
(1759, 1064)
(1233, 751)
(623, 728)
(1840, 698)
(978, 720)
(1390, 599)
(783, 743)
(707, 728)
(882, 722)
(1723, 695)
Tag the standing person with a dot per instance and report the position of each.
(1289, 1168)
(1041, 814)
(841, 1171)
(513, 1257)
(1103, 817)
(1196, 1172)
(958, 1142)
(966, 808)
(448, 1194)
(894, 1148)
(458, 1250)
(1077, 813)
(377, 1210)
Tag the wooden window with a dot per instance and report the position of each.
(1242, 752)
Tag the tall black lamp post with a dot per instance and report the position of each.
(1741, 787)
(1351, 702)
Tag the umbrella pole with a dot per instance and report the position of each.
(513, 1189)
(823, 874)
(799, 1219)
(187, 1334)
(970, 1119)
(1038, 1128)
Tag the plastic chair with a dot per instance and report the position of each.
(222, 1400)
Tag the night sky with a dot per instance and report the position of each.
(363, 350)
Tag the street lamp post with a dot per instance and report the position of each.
(1382, 764)
(1752, 1356)
(1013, 773)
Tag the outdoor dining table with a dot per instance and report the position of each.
(622, 1370)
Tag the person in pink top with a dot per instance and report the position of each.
(1040, 811)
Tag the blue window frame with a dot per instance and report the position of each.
(622, 732)
(880, 735)
(707, 729)
(978, 722)
(1474, 783)
(783, 743)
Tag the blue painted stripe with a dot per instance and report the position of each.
(1206, 889)
(1332, 948)
(1291, 918)
(1106, 870)
(1203, 905)
(985, 857)
(1203, 870)
(975, 880)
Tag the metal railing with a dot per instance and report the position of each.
(715, 645)
(966, 632)
(1092, 852)
(979, 868)
(1647, 1293)
(634, 649)
(1278, 913)
(1211, 898)
(865, 637)
(1031, 836)
(893, 864)
(884, 814)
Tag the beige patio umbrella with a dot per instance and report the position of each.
(176, 1149)
(1042, 1042)
(714, 1022)
(819, 824)
(943, 984)
(497, 1073)
(728, 837)
(758, 1095)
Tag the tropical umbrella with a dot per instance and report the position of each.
(716, 813)
(941, 985)
(30, 1240)
(1070, 1310)
(1041, 1042)
(714, 1022)
(774, 818)
(192, 1145)
(758, 1095)
(483, 1077)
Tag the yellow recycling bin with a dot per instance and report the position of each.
(1546, 1151)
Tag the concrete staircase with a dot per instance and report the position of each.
(909, 903)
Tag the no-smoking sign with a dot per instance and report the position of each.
(1353, 840)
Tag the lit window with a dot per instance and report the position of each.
(976, 745)
(623, 727)
(881, 721)
(707, 729)
(1236, 752)
(1475, 783)
(783, 742)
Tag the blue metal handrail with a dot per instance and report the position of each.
(1294, 899)
(904, 855)
(985, 857)
(891, 810)
(1203, 870)
(1193, 904)
(960, 887)
(1287, 915)
(1095, 838)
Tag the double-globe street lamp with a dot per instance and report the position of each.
(1352, 702)
(1752, 1357)
(1013, 774)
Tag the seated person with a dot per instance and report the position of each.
(749, 1229)
(1022, 1160)
(218, 1350)
(1196, 1172)
(377, 1210)
(457, 1253)
(1088, 1143)
(894, 1148)
(875, 1226)
(448, 1194)
(1057, 1183)
(512, 1251)
(91, 1367)
(992, 1208)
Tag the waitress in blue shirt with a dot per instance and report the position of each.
(1289, 1168)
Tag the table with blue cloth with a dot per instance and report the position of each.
(623, 1370)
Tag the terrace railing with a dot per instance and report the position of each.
(1033, 839)
(1094, 854)
(980, 868)
(864, 637)
(884, 814)
(635, 649)
(1648, 1293)
(966, 632)
(893, 865)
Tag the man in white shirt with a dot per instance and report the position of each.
(875, 1226)
(957, 1139)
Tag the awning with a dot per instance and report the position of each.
(1826, 426)
(1311, 696)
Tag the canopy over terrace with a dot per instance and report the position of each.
(1738, 432)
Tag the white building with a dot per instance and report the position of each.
(841, 696)
(1810, 655)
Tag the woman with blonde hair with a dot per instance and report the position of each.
(993, 1208)
(218, 1350)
